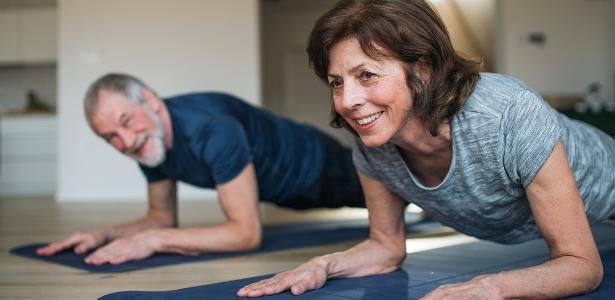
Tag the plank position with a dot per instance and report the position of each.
(209, 140)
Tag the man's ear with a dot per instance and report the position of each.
(151, 99)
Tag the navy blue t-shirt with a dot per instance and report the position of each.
(216, 135)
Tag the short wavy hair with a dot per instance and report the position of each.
(407, 30)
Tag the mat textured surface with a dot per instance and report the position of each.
(275, 238)
(420, 273)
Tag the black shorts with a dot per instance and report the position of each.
(337, 185)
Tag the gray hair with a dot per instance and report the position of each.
(124, 84)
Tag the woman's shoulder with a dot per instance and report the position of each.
(478, 125)
(493, 93)
(492, 96)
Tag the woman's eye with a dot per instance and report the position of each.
(365, 75)
(335, 84)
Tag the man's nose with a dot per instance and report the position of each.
(127, 138)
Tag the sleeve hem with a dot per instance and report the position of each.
(227, 178)
(544, 156)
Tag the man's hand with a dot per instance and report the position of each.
(136, 247)
(481, 287)
(80, 241)
(309, 276)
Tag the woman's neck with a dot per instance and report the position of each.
(428, 157)
(415, 139)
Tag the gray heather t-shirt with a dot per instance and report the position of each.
(501, 138)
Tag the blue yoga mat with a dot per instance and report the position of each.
(421, 273)
(275, 238)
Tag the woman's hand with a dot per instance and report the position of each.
(481, 287)
(308, 276)
(382, 253)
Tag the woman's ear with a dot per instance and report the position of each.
(422, 71)
(418, 75)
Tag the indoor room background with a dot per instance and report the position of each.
(51, 50)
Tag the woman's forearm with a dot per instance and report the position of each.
(559, 277)
(367, 258)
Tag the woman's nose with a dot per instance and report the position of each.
(352, 96)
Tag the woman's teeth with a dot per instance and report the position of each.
(369, 119)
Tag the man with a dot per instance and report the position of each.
(209, 140)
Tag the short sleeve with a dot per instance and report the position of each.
(224, 147)
(152, 174)
(530, 131)
(360, 160)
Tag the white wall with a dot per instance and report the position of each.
(457, 17)
(290, 87)
(576, 53)
(478, 17)
(174, 46)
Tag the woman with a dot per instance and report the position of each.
(481, 153)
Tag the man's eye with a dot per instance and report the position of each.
(127, 122)
(110, 138)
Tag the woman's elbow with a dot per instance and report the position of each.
(587, 277)
(596, 273)
(398, 257)
(395, 258)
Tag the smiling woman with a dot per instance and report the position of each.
(481, 153)
(424, 48)
(369, 92)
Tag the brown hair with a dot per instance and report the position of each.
(408, 30)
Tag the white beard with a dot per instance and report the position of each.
(155, 156)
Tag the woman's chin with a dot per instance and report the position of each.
(373, 141)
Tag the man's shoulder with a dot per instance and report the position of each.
(198, 109)
(201, 100)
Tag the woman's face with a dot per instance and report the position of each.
(371, 95)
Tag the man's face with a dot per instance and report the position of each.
(133, 129)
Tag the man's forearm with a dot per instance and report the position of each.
(560, 277)
(130, 228)
(225, 237)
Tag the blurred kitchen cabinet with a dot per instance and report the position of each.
(28, 34)
(39, 34)
(27, 155)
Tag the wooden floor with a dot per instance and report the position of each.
(40, 220)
